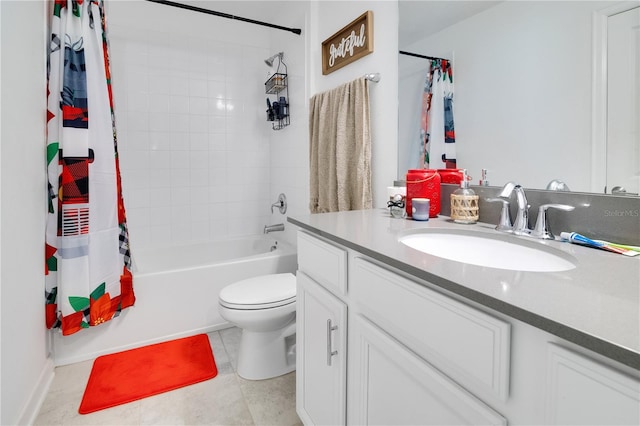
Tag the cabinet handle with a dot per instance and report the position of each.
(330, 352)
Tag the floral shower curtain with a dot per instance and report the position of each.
(437, 133)
(88, 265)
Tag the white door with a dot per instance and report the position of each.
(321, 355)
(623, 101)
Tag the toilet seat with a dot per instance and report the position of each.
(262, 292)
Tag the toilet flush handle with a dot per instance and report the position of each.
(330, 352)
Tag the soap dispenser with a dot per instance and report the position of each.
(464, 202)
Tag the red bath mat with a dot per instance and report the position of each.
(138, 373)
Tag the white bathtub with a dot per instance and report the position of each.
(177, 294)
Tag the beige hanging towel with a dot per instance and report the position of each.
(340, 149)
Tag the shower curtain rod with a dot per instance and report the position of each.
(402, 52)
(225, 15)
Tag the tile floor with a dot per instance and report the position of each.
(226, 399)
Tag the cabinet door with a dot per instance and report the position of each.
(392, 386)
(468, 345)
(582, 391)
(321, 355)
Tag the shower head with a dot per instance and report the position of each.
(269, 61)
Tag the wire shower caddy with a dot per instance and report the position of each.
(278, 110)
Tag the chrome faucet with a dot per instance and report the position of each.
(272, 228)
(505, 224)
(542, 230)
(521, 224)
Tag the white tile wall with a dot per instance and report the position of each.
(289, 155)
(198, 159)
(193, 143)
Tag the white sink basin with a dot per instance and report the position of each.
(489, 250)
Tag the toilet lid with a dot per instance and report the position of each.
(265, 291)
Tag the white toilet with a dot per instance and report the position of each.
(264, 307)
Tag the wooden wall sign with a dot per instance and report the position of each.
(349, 44)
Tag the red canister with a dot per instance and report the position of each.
(424, 183)
(450, 175)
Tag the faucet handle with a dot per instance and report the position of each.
(505, 215)
(542, 229)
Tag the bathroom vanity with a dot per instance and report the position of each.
(387, 334)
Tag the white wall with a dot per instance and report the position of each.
(327, 18)
(522, 105)
(192, 131)
(26, 370)
(183, 183)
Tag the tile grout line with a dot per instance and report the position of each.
(238, 378)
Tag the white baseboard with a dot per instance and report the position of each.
(40, 391)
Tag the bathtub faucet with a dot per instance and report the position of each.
(271, 228)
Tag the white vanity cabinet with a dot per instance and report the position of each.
(417, 354)
(321, 329)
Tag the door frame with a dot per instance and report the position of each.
(599, 92)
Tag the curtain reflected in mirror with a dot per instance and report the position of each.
(526, 99)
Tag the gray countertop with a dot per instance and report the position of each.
(595, 305)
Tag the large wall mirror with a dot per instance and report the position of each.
(543, 90)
